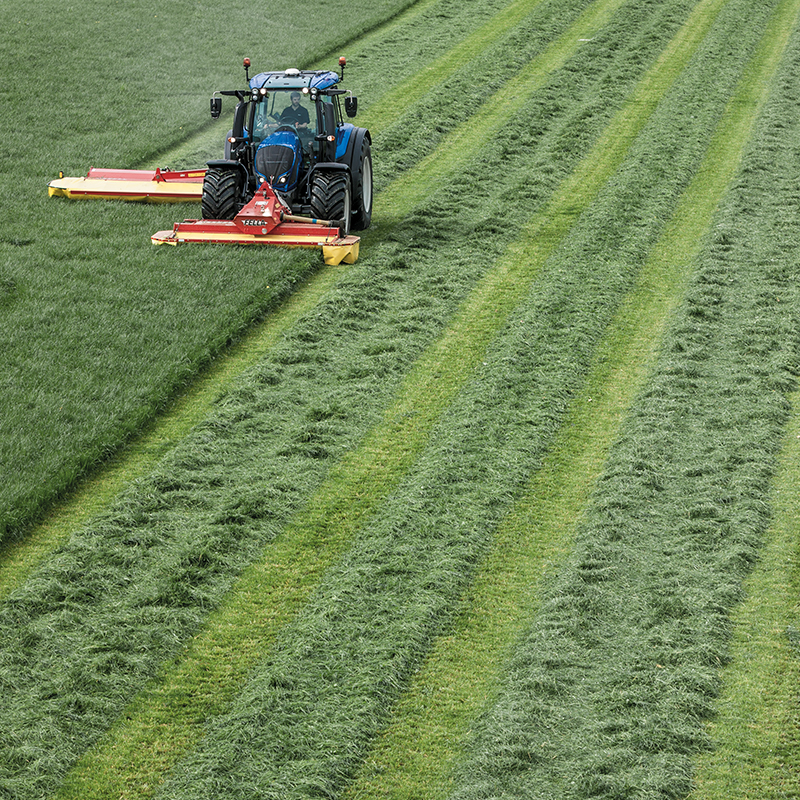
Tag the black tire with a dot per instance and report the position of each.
(362, 188)
(221, 193)
(331, 198)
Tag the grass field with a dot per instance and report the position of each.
(504, 509)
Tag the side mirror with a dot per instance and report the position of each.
(216, 107)
(350, 106)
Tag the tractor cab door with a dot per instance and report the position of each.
(328, 123)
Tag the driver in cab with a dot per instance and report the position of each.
(295, 114)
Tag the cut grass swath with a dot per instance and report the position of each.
(757, 733)
(461, 144)
(388, 109)
(602, 714)
(414, 758)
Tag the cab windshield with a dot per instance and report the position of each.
(284, 107)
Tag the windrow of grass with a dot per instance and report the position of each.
(177, 540)
(755, 731)
(314, 629)
(607, 692)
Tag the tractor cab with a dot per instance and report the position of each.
(288, 109)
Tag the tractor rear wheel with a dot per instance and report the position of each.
(362, 188)
(221, 193)
(331, 198)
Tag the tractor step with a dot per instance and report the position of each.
(151, 186)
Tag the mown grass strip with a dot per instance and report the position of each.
(415, 756)
(433, 719)
(398, 98)
(757, 733)
(354, 488)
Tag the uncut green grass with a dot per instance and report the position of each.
(185, 575)
(607, 692)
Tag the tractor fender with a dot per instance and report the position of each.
(353, 146)
(227, 163)
(330, 166)
(359, 149)
(224, 163)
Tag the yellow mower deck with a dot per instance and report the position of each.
(151, 186)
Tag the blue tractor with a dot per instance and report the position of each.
(289, 131)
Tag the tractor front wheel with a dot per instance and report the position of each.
(221, 193)
(331, 198)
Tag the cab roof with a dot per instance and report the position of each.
(295, 79)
